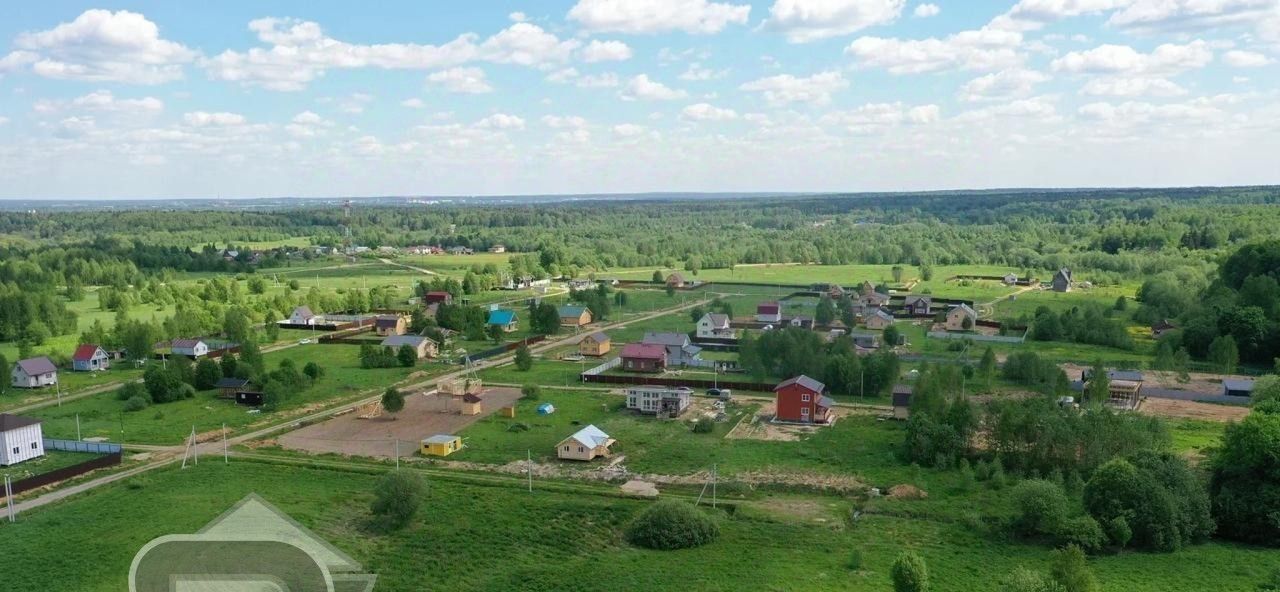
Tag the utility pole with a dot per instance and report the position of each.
(78, 427)
(225, 459)
(529, 467)
(8, 496)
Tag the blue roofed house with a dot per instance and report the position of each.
(504, 318)
(574, 315)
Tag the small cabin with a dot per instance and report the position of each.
(441, 445)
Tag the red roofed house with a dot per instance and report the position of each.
(643, 357)
(801, 400)
(769, 312)
(90, 357)
(438, 296)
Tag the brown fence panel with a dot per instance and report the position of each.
(689, 382)
(67, 472)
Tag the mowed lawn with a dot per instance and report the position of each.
(558, 541)
(168, 423)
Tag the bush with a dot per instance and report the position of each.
(313, 370)
(135, 403)
(1083, 532)
(1157, 495)
(131, 390)
(855, 560)
(670, 524)
(1071, 571)
(704, 425)
(1042, 507)
(395, 500)
(1245, 480)
(910, 574)
(531, 391)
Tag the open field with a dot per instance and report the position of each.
(51, 461)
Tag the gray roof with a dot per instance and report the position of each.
(185, 343)
(597, 337)
(827, 402)
(591, 437)
(230, 382)
(440, 439)
(13, 422)
(399, 340)
(718, 319)
(666, 338)
(1130, 375)
(882, 313)
(37, 366)
(914, 299)
(304, 312)
(901, 395)
(966, 308)
(1232, 384)
(803, 381)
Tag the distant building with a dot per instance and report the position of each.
(192, 348)
(441, 445)
(1062, 280)
(34, 373)
(878, 319)
(802, 321)
(498, 249)
(302, 315)
(676, 280)
(595, 344)
(918, 306)
(1237, 388)
(802, 400)
(867, 288)
(89, 358)
(438, 297)
(640, 357)
(390, 324)
(957, 316)
(574, 316)
(423, 346)
(1010, 279)
(21, 439)
(504, 318)
(680, 351)
(714, 325)
(660, 401)
(901, 401)
(769, 312)
(585, 444)
(1159, 328)
(874, 300)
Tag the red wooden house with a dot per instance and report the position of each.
(434, 297)
(801, 400)
(641, 357)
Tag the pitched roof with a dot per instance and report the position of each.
(591, 437)
(86, 352)
(13, 422)
(598, 337)
(37, 366)
(1063, 273)
(965, 308)
(718, 320)
(676, 277)
(827, 402)
(570, 311)
(470, 398)
(803, 381)
(440, 439)
(1232, 384)
(303, 311)
(502, 317)
(230, 382)
(768, 308)
(399, 340)
(914, 299)
(646, 351)
(882, 313)
(665, 338)
(184, 343)
(387, 321)
(439, 293)
(901, 395)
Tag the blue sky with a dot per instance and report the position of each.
(247, 99)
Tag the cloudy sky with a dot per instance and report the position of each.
(245, 99)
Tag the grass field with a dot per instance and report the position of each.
(559, 541)
(168, 423)
(51, 461)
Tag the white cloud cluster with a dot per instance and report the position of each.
(810, 20)
(1129, 86)
(501, 121)
(658, 16)
(707, 112)
(605, 51)
(1005, 84)
(1165, 59)
(926, 10)
(1190, 15)
(785, 88)
(467, 80)
(876, 117)
(1246, 59)
(642, 88)
(101, 46)
(981, 49)
(101, 100)
(219, 119)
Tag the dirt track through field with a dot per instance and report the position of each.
(1174, 408)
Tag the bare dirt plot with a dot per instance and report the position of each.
(424, 415)
(761, 427)
(1192, 410)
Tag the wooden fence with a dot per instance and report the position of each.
(65, 473)
(501, 349)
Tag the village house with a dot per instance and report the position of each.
(714, 325)
(390, 324)
(660, 401)
(680, 351)
(574, 316)
(504, 318)
(901, 401)
(769, 312)
(437, 297)
(585, 444)
(460, 250)
(191, 348)
(675, 280)
(802, 321)
(1010, 279)
(918, 306)
(1232, 387)
(89, 358)
(874, 300)
(424, 346)
(228, 386)
(581, 285)
(878, 319)
(441, 445)
(1062, 280)
(961, 318)
(865, 340)
(640, 357)
(595, 344)
(21, 439)
(302, 315)
(498, 249)
(867, 288)
(34, 373)
(471, 405)
(802, 400)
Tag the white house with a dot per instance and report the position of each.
(715, 325)
(302, 315)
(90, 357)
(20, 439)
(769, 312)
(192, 348)
(660, 401)
(34, 373)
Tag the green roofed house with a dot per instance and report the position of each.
(504, 318)
(574, 316)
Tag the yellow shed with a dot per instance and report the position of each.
(471, 405)
(441, 445)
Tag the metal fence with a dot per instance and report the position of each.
(67, 472)
(81, 446)
(501, 349)
(978, 337)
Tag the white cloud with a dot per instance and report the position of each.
(983, 50)
(206, 119)
(658, 16)
(308, 118)
(1031, 15)
(707, 112)
(518, 17)
(101, 100)
(605, 80)
(1127, 86)
(501, 121)
(628, 130)
(1131, 114)
(100, 45)
(810, 20)
(696, 71)
(461, 80)
(878, 117)
(922, 114)
(785, 88)
(300, 52)
(1031, 109)
(1190, 15)
(413, 103)
(3, 120)
(1005, 84)
(16, 60)
(564, 121)
(1168, 58)
(605, 51)
(642, 88)
(1245, 59)
(926, 10)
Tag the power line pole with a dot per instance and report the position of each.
(529, 467)
(8, 496)
(225, 459)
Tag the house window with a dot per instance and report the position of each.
(804, 398)
(581, 449)
(804, 412)
(34, 446)
(566, 449)
(16, 450)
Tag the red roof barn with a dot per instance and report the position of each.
(438, 296)
(801, 400)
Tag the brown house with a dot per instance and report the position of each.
(595, 344)
(642, 357)
(574, 316)
(676, 280)
(388, 325)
